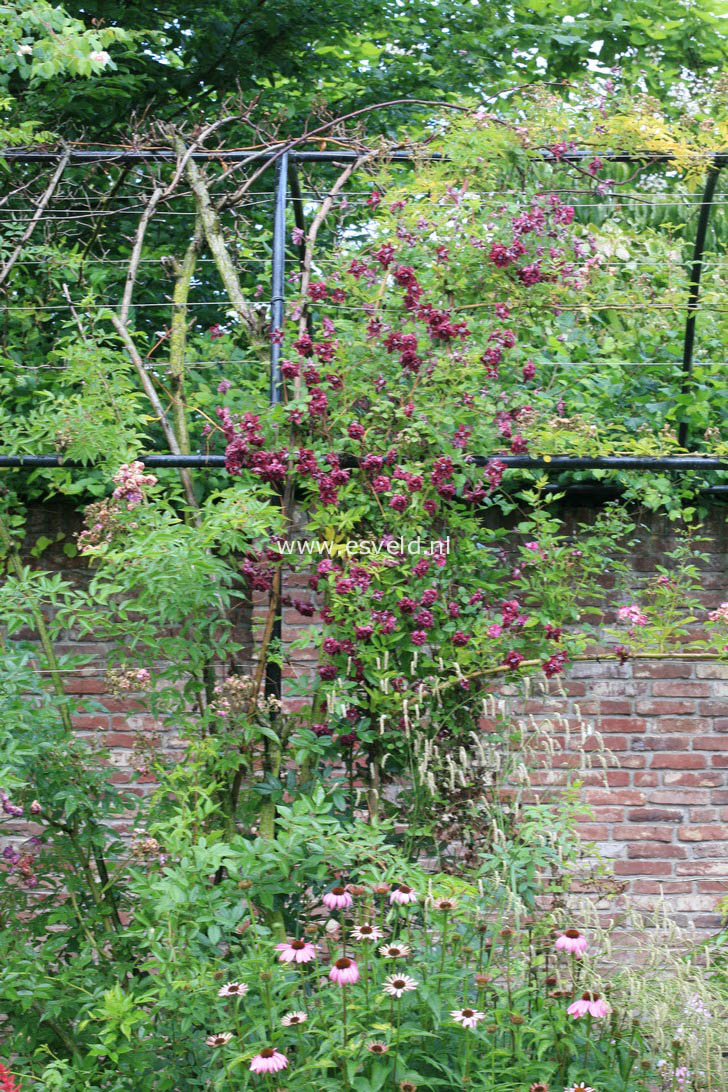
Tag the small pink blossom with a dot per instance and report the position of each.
(589, 1004)
(571, 941)
(344, 972)
(269, 1060)
(338, 898)
(296, 951)
(632, 614)
(402, 894)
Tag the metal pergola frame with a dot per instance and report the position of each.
(285, 158)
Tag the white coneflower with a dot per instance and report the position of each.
(219, 1040)
(467, 1017)
(395, 951)
(366, 932)
(233, 989)
(445, 905)
(292, 1018)
(397, 984)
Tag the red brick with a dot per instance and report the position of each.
(85, 686)
(614, 796)
(682, 689)
(712, 708)
(664, 708)
(632, 762)
(90, 723)
(603, 815)
(642, 868)
(681, 760)
(702, 868)
(654, 815)
(669, 670)
(719, 761)
(696, 780)
(711, 671)
(609, 707)
(706, 832)
(719, 796)
(634, 832)
(646, 778)
(118, 739)
(711, 743)
(630, 725)
(681, 796)
(651, 887)
(645, 849)
(716, 887)
(593, 832)
(616, 778)
(653, 741)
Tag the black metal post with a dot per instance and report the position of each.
(273, 678)
(694, 286)
(277, 302)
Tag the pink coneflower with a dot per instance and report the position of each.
(269, 1060)
(296, 951)
(344, 972)
(590, 1004)
(219, 1040)
(539, 1086)
(233, 989)
(366, 932)
(397, 984)
(445, 905)
(467, 1017)
(338, 898)
(395, 951)
(377, 1047)
(571, 941)
(402, 894)
(291, 1019)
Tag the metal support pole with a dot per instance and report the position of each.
(277, 302)
(273, 681)
(550, 464)
(694, 286)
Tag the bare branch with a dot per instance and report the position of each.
(178, 335)
(137, 253)
(146, 382)
(216, 242)
(50, 190)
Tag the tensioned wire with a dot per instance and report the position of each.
(152, 363)
(226, 306)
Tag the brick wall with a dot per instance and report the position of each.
(660, 810)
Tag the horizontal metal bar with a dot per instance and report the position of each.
(555, 463)
(135, 155)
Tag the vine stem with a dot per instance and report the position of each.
(41, 628)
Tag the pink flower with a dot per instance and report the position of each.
(632, 614)
(296, 951)
(402, 894)
(7, 1081)
(571, 941)
(338, 898)
(269, 1060)
(590, 1004)
(344, 972)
